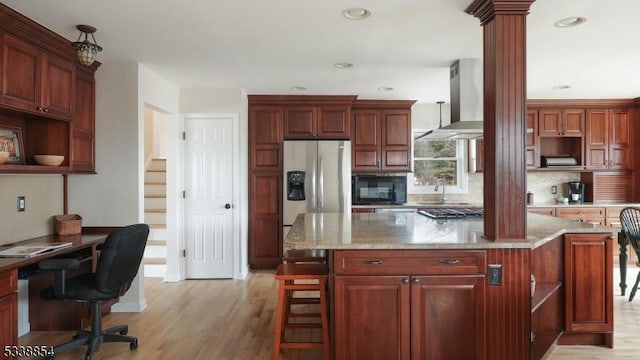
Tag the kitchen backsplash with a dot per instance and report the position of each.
(539, 183)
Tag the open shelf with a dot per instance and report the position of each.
(542, 293)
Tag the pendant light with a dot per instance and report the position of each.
(88, 49)
(431, 131)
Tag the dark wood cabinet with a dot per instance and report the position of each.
(316, 122)
(39, 74)
(83, 124)
(531, 140)
(424, 303)
(265, 220)
(446, 310)
(34, 81)
(588, 270)
(358, 335)
(381, 136)
(561, 122)
(265, 137)
(8, 308)
(608, 139)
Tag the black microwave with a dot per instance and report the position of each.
(378, 189)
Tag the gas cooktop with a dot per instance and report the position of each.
(451, 213)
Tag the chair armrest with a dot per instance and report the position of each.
(59, 264)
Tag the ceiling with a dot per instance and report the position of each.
(268, 47)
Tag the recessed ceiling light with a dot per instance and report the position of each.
(343, 65)
(570, 21)
(561, 87)
(298, 88)
(385, 88)
(356, 13)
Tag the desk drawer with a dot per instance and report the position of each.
(409, 262)
(8, 282)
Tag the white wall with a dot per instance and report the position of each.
(211, 100)
(44, 199)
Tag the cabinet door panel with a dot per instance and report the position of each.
(358, 335)
(299, 122)
(448, 310)
(395, 159)
(266, 136)
(620, 140)
(265, 220)
(549, 122)
(597, 138)
(366, 129)
(573, 122)
(83, 125)
(333, 122)
(396, 129)
(21, 71)
(58, 87)
(9, 320)
(588, 282)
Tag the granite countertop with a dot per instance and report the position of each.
(415, 231)
(420, 205)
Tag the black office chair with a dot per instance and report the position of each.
(118, 265)
(630, 221)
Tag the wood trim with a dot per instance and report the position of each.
(487, 10)
(91, 230)
(580, 103)
(508, 306)
(383, 104)
(301, 99)
(505, 109)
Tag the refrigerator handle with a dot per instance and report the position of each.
(313, 183)
(320, 186)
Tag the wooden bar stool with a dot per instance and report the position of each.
(286, 274)
(296, 256)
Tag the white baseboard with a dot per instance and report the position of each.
(172, 278)
(129, 306)
(242, 274)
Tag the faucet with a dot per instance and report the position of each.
(443, 198)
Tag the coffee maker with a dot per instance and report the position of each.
(575, 192)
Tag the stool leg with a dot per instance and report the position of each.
(277, 333)
(325, 319)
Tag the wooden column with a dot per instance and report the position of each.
(635, 126)
(505, 107)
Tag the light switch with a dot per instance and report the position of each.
(21, 203)
(495, 274)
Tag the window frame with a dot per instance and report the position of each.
(461, 169)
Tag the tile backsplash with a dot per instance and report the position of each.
(539, 183)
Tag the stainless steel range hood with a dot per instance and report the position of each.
(465, 77)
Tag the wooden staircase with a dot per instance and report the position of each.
(155, 215)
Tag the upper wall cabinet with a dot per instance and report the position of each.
(47, 98)
(381, 136)
(316, 122)
(561, 122)
(35, 82)
(608, 139)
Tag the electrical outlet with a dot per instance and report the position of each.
(495, 274)
(554, 189)
(21, 204)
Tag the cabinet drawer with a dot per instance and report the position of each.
(543, 211)
(414, 262)
(614, 212)
(580, 213)
(8, 282)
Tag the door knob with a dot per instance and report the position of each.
(227, 206)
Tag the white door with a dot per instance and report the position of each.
(208, 192)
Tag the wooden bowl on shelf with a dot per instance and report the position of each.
(49, 160)
(4, 156)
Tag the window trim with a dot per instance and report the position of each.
(462, 170)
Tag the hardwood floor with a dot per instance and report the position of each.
(233, 320)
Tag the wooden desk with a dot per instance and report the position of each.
(43, 315)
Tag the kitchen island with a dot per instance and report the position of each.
(407, 286)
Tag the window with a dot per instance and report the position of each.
(438, 159)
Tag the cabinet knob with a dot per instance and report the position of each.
(415, 281)
(45, 110)
(39, 108)
(405, 281)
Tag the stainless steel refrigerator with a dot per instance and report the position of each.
(317, 178)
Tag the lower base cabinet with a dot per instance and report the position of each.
(387, 317)
(8, 309)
